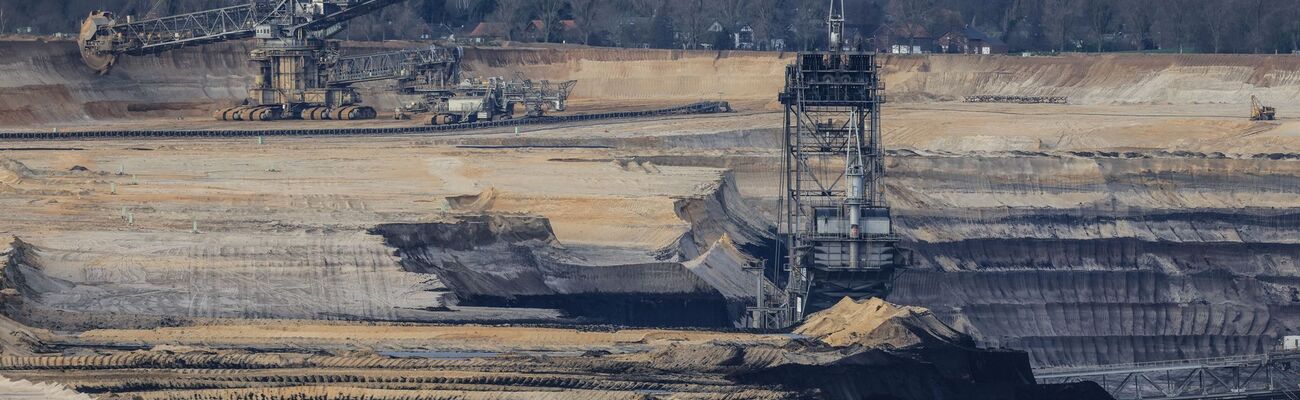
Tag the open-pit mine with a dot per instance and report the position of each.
(1000, 221)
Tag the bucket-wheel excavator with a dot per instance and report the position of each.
(299, 71)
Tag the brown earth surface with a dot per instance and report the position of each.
(1095, 232)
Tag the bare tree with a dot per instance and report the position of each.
(694, 18)
(511, 14)
(1101, 15)
(1139, 20)
(1261, 28)
(645, 8)
(808, 23)
(1057, 21)
(764, 20)
(1177, 21)
(4, 21)
(549, 11)
(1290, 14)
(914, 15)
(1216, 16)
(1013, 16)
(733, 12)
(592, 16)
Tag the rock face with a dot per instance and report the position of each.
(1084, 258)
(56, 288)
(1099, 260)
(515, 261)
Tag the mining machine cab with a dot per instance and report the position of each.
(471, 100)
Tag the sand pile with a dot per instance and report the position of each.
(878, 323)
(23, 390)
(13, 172)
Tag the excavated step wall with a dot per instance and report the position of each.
(750, 76)
(1104, 260)
(46, 82)
(1090, 259)
(515, 261)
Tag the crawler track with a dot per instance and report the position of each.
(695, 108)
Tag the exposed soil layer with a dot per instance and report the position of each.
(1086, 258)
(501, 261)
(528, 363)
(189, 83)
(1147, 220)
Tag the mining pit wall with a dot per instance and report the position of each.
(45, 82)
(1085, 258)
(1078, 258)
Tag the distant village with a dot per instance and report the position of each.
(886, 26)
(890, 38)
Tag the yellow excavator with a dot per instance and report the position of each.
(1261, 112)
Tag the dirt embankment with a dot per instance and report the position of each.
(746, 76)
(46, 82)
(346, 361)
(1084, 258)
(516, 261)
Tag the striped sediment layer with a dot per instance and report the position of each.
(1086, 261)
(192, 82)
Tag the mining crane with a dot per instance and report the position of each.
(1261, 112)
(293, 53)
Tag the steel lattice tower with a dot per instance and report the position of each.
(835, 219)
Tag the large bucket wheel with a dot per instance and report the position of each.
(93, 43)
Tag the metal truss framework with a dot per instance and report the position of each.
(401, 64)
(157, 35)
(1264, 376)
(535, 93)
(833, 167)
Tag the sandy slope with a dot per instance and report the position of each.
(24, 390)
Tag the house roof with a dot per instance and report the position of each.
(490, 29)
(975, 34)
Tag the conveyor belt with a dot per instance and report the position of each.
(695, 108)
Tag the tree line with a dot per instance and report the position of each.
(1208, 26)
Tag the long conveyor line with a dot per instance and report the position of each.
(707, 107)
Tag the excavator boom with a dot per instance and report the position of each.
(399, 64)
(103, 38)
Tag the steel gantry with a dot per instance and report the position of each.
(837, 224)
(402, 65)
(1263, 376)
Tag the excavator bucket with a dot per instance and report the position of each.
(90, 40)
